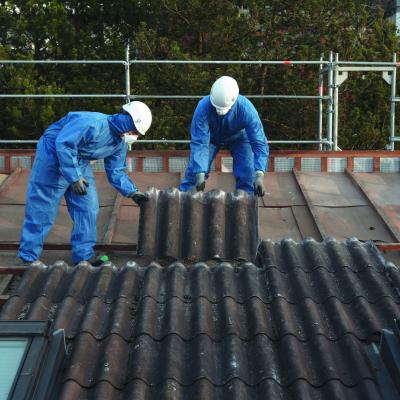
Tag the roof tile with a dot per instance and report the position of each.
(296, 325)
(198, 225)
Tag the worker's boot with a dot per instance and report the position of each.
(97, 261)
(23, 263)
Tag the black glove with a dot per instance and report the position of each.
(200, 181)
(79, 186)
(139, 198)
(259, 188)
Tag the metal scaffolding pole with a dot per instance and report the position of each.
(336, 103)
(337, 74)
(329, 103)
(217, 62)
(127, 74)
(320, 101)
(393, 106)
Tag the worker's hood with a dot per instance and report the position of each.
(121, 123)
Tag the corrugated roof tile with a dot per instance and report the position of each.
(294, 326)
(235, 389)
(198, 225)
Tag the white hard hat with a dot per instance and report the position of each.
(224, 93)
(140, 114)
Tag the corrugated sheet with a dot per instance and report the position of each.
(153, 164)
(198, 225)
(363, 164)
(337, 164)
(390, 164)
(21, 161)
(311, 164)
(294, 327)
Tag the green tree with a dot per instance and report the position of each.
(194, 30)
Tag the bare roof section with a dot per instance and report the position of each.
(296, 205)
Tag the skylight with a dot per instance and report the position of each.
(31, 353)
(12, 352)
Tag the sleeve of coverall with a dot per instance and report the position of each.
(200, 139)
(115, 166)
(69, 139)
(257, 139)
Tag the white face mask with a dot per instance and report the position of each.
(222, 111)
(129, 139)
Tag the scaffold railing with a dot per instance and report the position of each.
(336, 72)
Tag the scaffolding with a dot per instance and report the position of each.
(335, 70)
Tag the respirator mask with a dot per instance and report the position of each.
(222, 111)
(129, 139)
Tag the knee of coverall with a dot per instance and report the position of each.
(83, 211)
(243, 165)
(189, 180)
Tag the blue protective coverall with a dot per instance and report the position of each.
(240, 130)
(63, 156)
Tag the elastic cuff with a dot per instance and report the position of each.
(259, 173)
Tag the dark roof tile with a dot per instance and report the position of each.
(199, 226)
(295, 326)
(309, 255)
(235, 389)
(95, 360)
(317, 361)
(322, 285)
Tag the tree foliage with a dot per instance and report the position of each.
(194, 30)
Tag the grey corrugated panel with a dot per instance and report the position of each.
(152, 164)
(198, 225)
(390, 164)
(295, 326)
(283, 164)
(154, 361)
(21, 161)
(311, 164)
(337, 164)
(131, 164)
(363, 164)
(178, 164)
(234, 389)
(226, 164)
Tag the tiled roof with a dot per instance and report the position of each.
(199, 225)
(295, 326)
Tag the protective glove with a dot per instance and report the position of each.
(259, 188)
(139, 198)
(200, 181)
(79, 186)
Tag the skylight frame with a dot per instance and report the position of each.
(41, 363)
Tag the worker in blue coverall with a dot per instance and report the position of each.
(227, 118)
(62, 168)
